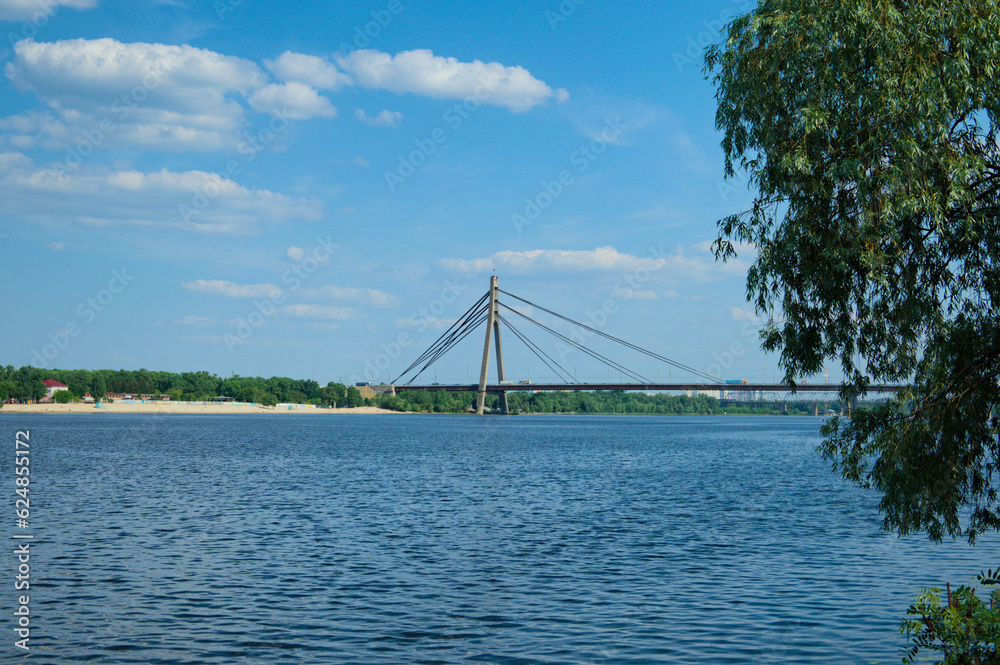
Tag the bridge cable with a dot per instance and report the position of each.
(465, 332)
(607, 361)
(534, 348)
(647, 352)
(458, 322)
(446, 337)
(453, 339)
(444, 343)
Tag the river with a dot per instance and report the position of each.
(457, 539)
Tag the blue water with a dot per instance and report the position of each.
(456, 539)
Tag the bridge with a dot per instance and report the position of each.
(490, 309)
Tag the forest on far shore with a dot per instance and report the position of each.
(26, 383)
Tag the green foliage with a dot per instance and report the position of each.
(64, 397)
(353, 398)
(333, 394)
(577, 402)
(29, 384)
(98, 387)
(26, 383)
(965, 629)
(869, 133)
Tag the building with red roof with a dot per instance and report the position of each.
(53, 387)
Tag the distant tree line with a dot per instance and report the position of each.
(26, 383)
(599, 402)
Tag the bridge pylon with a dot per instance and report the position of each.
(492, 328)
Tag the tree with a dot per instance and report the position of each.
(28, 384)
(99, 389)
(869, 132)
(353, 397)
(333, 394)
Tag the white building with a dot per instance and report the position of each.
(52, 387)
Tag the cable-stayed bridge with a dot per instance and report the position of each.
(494, 312)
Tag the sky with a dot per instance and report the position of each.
(319, 190)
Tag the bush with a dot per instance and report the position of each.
(966, 630)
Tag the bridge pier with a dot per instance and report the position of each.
(852, 404)
(492, 327)
(815, 409)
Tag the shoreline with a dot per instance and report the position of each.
(199, 408)
(167, 408)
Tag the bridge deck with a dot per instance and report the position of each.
(651, 387)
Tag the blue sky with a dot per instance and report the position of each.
(318, 190)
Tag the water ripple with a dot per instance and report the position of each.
(445, 540)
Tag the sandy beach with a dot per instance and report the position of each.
(187, 407)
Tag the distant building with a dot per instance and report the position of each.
(53, 387)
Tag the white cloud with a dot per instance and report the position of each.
(368, 296)
(329, 292)
(431, 322)
(560, 260)
(218, 287)
(320, 312)
(740, 314)
(181, 98)
(17, 10)
(55, 246)
(384, 118)
(196, 321)
(309, 69)
(671, 294)
(295, 253)
(323, 327)
(682, 265)
(155, 94)
(294, 100)
(645, 295)
(363, 163)
(423, 73)
(103, 197)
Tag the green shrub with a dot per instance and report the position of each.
(965, 629)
